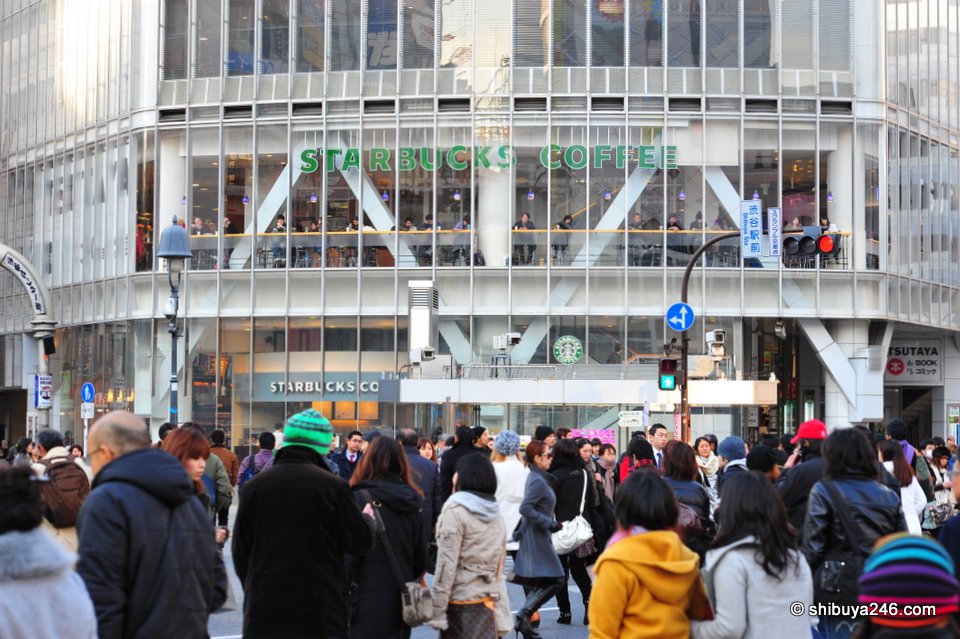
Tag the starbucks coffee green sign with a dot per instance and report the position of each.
(567, 349)
(460, 158)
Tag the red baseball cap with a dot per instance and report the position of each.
(813, 429)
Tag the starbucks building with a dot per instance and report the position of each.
(550, 167)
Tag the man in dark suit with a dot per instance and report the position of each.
(426, 475)
(349, 457)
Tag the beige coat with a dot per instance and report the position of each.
(470, 556)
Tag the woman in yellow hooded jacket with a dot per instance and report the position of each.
(648, 583)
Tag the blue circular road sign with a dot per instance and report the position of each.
(680, 316)
(87, 392)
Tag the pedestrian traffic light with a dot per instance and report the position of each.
(808, 245)
(668, 374)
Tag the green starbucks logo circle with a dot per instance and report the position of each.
(567, 349)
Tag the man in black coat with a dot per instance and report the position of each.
(448, 463)
(426, 476)
(294, 526)
(146, 545)
(803, 469)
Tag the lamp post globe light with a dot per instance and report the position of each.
(175, 248)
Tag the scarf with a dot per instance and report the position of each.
(710, 465)
(621, 534)
(609, 467)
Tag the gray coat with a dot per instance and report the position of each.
(536, 556)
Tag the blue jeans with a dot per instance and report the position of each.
(837, 627)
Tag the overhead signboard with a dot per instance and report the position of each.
(914, 362)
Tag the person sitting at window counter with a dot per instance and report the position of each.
(794, 225)
(561, 240)
(278, 247)
(461, 245)
(697, 224)
(350, 252)
(635, 246)
(673, 224)
(831, 229)
(425, 252)
(524, 245)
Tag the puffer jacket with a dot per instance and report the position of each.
(873, 508)
(469, 557)
(692, 494)
(147, 552)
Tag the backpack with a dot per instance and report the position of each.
(62, 495)
(249, 473)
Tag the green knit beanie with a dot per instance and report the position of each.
(310, 429)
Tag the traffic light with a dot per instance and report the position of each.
(808, 245)
(668, 374)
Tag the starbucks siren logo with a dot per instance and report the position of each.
(567, 349)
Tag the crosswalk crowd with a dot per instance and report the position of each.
(813, 535)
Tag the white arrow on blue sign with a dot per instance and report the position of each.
(87, 392)
(680, 316)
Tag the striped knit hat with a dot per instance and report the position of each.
(909, 570)
(309, 429)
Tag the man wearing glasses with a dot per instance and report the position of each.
(147, 550)
(349, 457)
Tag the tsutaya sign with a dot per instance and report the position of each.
(459, 157)
(914, 362)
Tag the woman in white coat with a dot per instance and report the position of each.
(890, 452)
(755, 571)
(41, 596)
(511, 480)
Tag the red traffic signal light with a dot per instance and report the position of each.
(667, 378)
(808, 245)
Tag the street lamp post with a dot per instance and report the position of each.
(175, 248)
(684, 341)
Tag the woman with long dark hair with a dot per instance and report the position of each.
(575, 489)
(382, 479)
(755, 566)
(912, 498)
(849, 491)
(537, 566)
(680, 473)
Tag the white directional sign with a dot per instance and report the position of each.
(680, 316)
(86, 410)
(775, 230)
(751, 228)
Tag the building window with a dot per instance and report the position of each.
(176, 27)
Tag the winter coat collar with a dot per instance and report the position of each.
(400, 497)
(32, 555)
(299, 455)
(483, 507)
(714, 556)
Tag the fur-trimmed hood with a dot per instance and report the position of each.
(32, 555)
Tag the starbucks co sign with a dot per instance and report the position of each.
(567, 349)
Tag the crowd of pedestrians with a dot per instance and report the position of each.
(717, 540)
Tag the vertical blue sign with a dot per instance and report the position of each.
(775, 230)
(751, 228)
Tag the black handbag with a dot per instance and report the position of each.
(836, 577)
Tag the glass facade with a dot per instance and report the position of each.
(550, 165)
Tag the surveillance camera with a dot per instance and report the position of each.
(170, 308)
(716, 337)
(780, 329)
(427, 353)
(514, 338)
